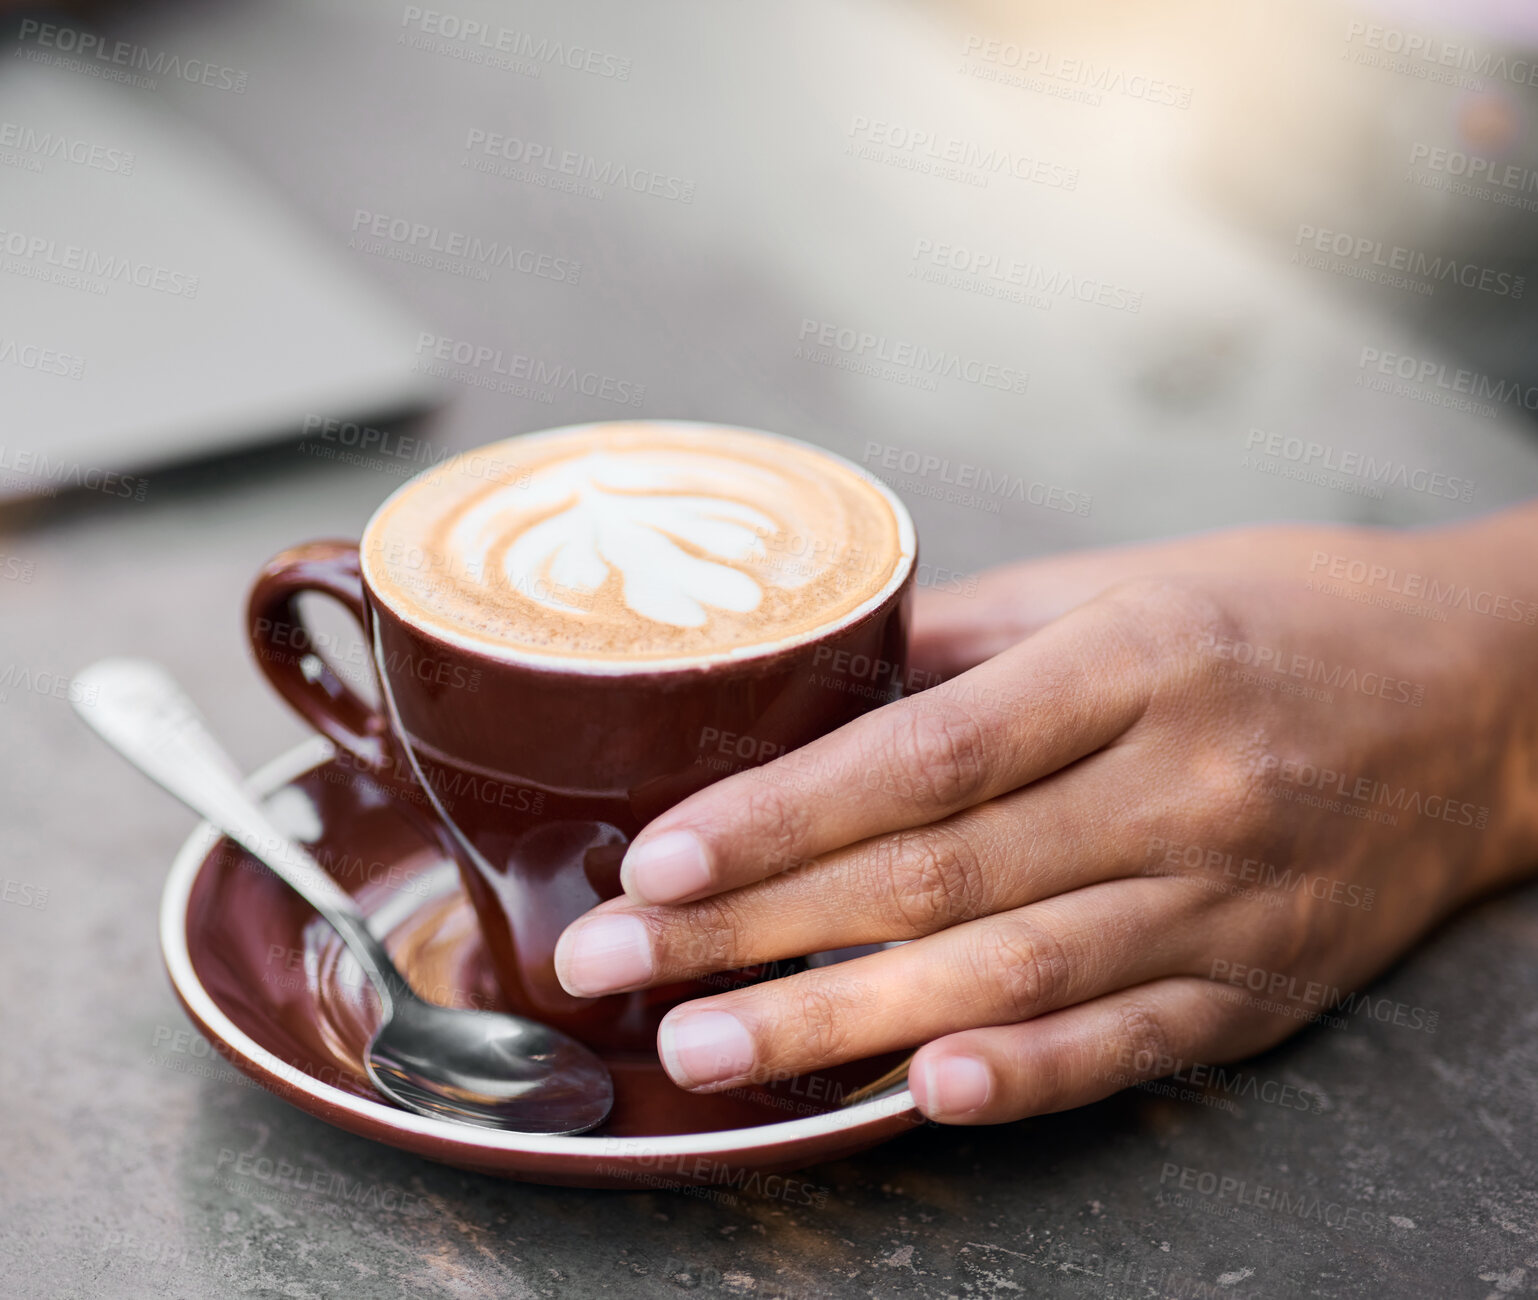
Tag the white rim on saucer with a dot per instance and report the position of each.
(173, 944)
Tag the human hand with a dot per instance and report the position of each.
(1096, 837)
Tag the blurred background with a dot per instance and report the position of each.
(1156, 268)
(1157, 271)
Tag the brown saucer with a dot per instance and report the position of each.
(275, 992)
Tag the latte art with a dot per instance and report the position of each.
(619, 512)
(637, 542)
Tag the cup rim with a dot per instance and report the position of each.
(500, 653)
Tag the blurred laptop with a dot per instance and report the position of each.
(157, 301)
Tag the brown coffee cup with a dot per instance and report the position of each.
(535, 777)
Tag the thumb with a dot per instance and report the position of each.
(957, 629)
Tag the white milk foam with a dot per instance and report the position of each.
(637, 542)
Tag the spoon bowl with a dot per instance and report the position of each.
(477, 1067)
(480, 1067)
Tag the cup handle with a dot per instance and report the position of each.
(286, 650)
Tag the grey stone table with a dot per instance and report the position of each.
(1370, 1158)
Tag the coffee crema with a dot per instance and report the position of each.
(638, 542)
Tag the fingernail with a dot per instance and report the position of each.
(705, 1047)
(665, 869)
(603, 955)
(953, 1086)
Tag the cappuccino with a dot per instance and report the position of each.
(573, 631)
(643, 544)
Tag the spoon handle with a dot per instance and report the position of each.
(137, 708)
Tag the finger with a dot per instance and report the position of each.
(957, 630)
(997, 970)
(1082, 1053)
(1015, 600)
(954, 631)
(1048, 702)
(1047, 839)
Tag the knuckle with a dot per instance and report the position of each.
(1049, 1085)
(1168, 620)
(818, 1020)
(935, 880)
(941, 748)
(776, 822)
(1228, 794)
(1293, 940)
(1021, 969)
(1143, 1039)
(705, 937)
(1234, 791)
(1165, 602)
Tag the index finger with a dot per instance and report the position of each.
(1047, 702)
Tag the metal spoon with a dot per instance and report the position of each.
(478, 1067)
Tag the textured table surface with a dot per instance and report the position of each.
(1369, 1158)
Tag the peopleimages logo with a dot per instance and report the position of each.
(970, 477)
(1368, 791)
(1460, 388)
(865, 347)
(284, 1174)
(1474, 168)
(454, 251)
(1266, 658)
(714, 1173)
(1327, 997)
(101, 57)
(1083, 74)
(51, 685)
(298, 639)
(1244, 1084)
(1472, 176)
(1240, 1193)
(62, 148)
(1370, 259)
(14, 569)
(496, 153)
(352, 443)
(483, 365)
(1417, 586)
(995, 275)
(472, 33)
(1354, 464)
(38, 474)
(1162, 853)
(46, 361)
(48, 254)
(952, 157)
(1433, 59)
